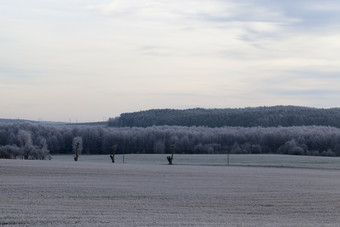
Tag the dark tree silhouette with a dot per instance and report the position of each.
(77, 146)
(171, 158)
(77, 152)
(112, 156)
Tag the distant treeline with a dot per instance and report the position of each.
(246, 117)
(34, 141)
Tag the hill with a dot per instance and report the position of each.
(21, 121)
(243, 117)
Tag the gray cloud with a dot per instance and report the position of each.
(315, 93)
(138, 54)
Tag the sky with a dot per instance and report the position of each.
(88, 60)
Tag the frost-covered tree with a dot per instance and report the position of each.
(301, 140)
(25, 141)
(10, 152)
(24, 138)
(27, 149)
(291, 147)
(44, 152)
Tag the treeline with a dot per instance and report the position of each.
(285, 116)
(23, 146)
(34, 141)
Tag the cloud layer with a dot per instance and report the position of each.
(87, 60)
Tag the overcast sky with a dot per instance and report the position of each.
(87, 60)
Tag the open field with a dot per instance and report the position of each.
(90, 193)
(270, 160)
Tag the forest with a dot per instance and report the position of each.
(39, 141)
(276, 130)
(243, 117)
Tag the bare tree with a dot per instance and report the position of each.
(112, 156)
(170, 158)
(77, 145)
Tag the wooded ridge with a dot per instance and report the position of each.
(243, 117)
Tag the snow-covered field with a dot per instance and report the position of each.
(217, 159)
(90, 193)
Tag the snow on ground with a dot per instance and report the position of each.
(58, 193)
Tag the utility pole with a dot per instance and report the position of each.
(123, 155)
(228, 157)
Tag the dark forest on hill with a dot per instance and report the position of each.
(244, 117)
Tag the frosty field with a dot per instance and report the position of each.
(100, 193)
(269, 160)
